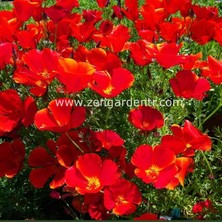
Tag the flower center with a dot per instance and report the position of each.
(93, 183)
(152, 172)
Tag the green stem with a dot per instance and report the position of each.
(107, 118)
(73, 214)
(207, 162)
(209, 116)
(74, 143)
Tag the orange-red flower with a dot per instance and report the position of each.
(108, 139)
(188, 85)
(90, 174)
(122, 197)
(111, 84)
(146, 118)
(60, 116)
(75, 75)
(187, 139)
(11, 158)
(115, 39)
(155, 165)
(37, 74)
(214, 70)
(45, 166)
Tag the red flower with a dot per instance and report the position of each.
(60, 116)
(75, 75)
(168, 55)
(214, 70)
(11, 158)
(147, 216)
(37, 74)
(155, 165)
(45, 166)
(24, 9)
(122, 197)
(131, 9)
(202, 31)
(146, 118)
(90, 174)
(188, 85)
(6, 52)
(115, 39)
(187, 139)
(111, 84)
(11, 110)
(109, 138)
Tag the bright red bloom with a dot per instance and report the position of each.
(109, 138)
(146, 118)
(155, 165)
(147, 216)
(68, 4)
(6, 52)
(122, 197)
(11, 110)
(60, 116)
(45, 166)
(142, 52)
(75, 75)
(37, 74)
(188, 85)
(90, 174)
(214, 70)
(111, 84)
(102, 3)
(115, 39)
(24, 9)
(11, 158)
(56, 13)
(131, 9)
(202, 31)
(187, 139)
(168, 55)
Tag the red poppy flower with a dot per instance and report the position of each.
(188, 85)
(142, 52)
(187, 139)
(111, 84)
(122, 197)
(155, 165)
(90, 174)
(24, 9)
(30, 109)
(102, 3)
(45, 166)
(103, 60)
(184, 166)
(131, 10)
(6, 52)
(202, 31)
(109, 138)
(56, 13)
(38, 74)
(96, 208)
(214, 70)
(75, 75)
(60, 116)
(11, 158)
(115, 39)
(147, 216)
(168, 55)
(146, 118)
(11, 110)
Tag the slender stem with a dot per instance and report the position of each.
(107, 117)
(207, 162)
(73, 214)
(74, 143)
(209, 116)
